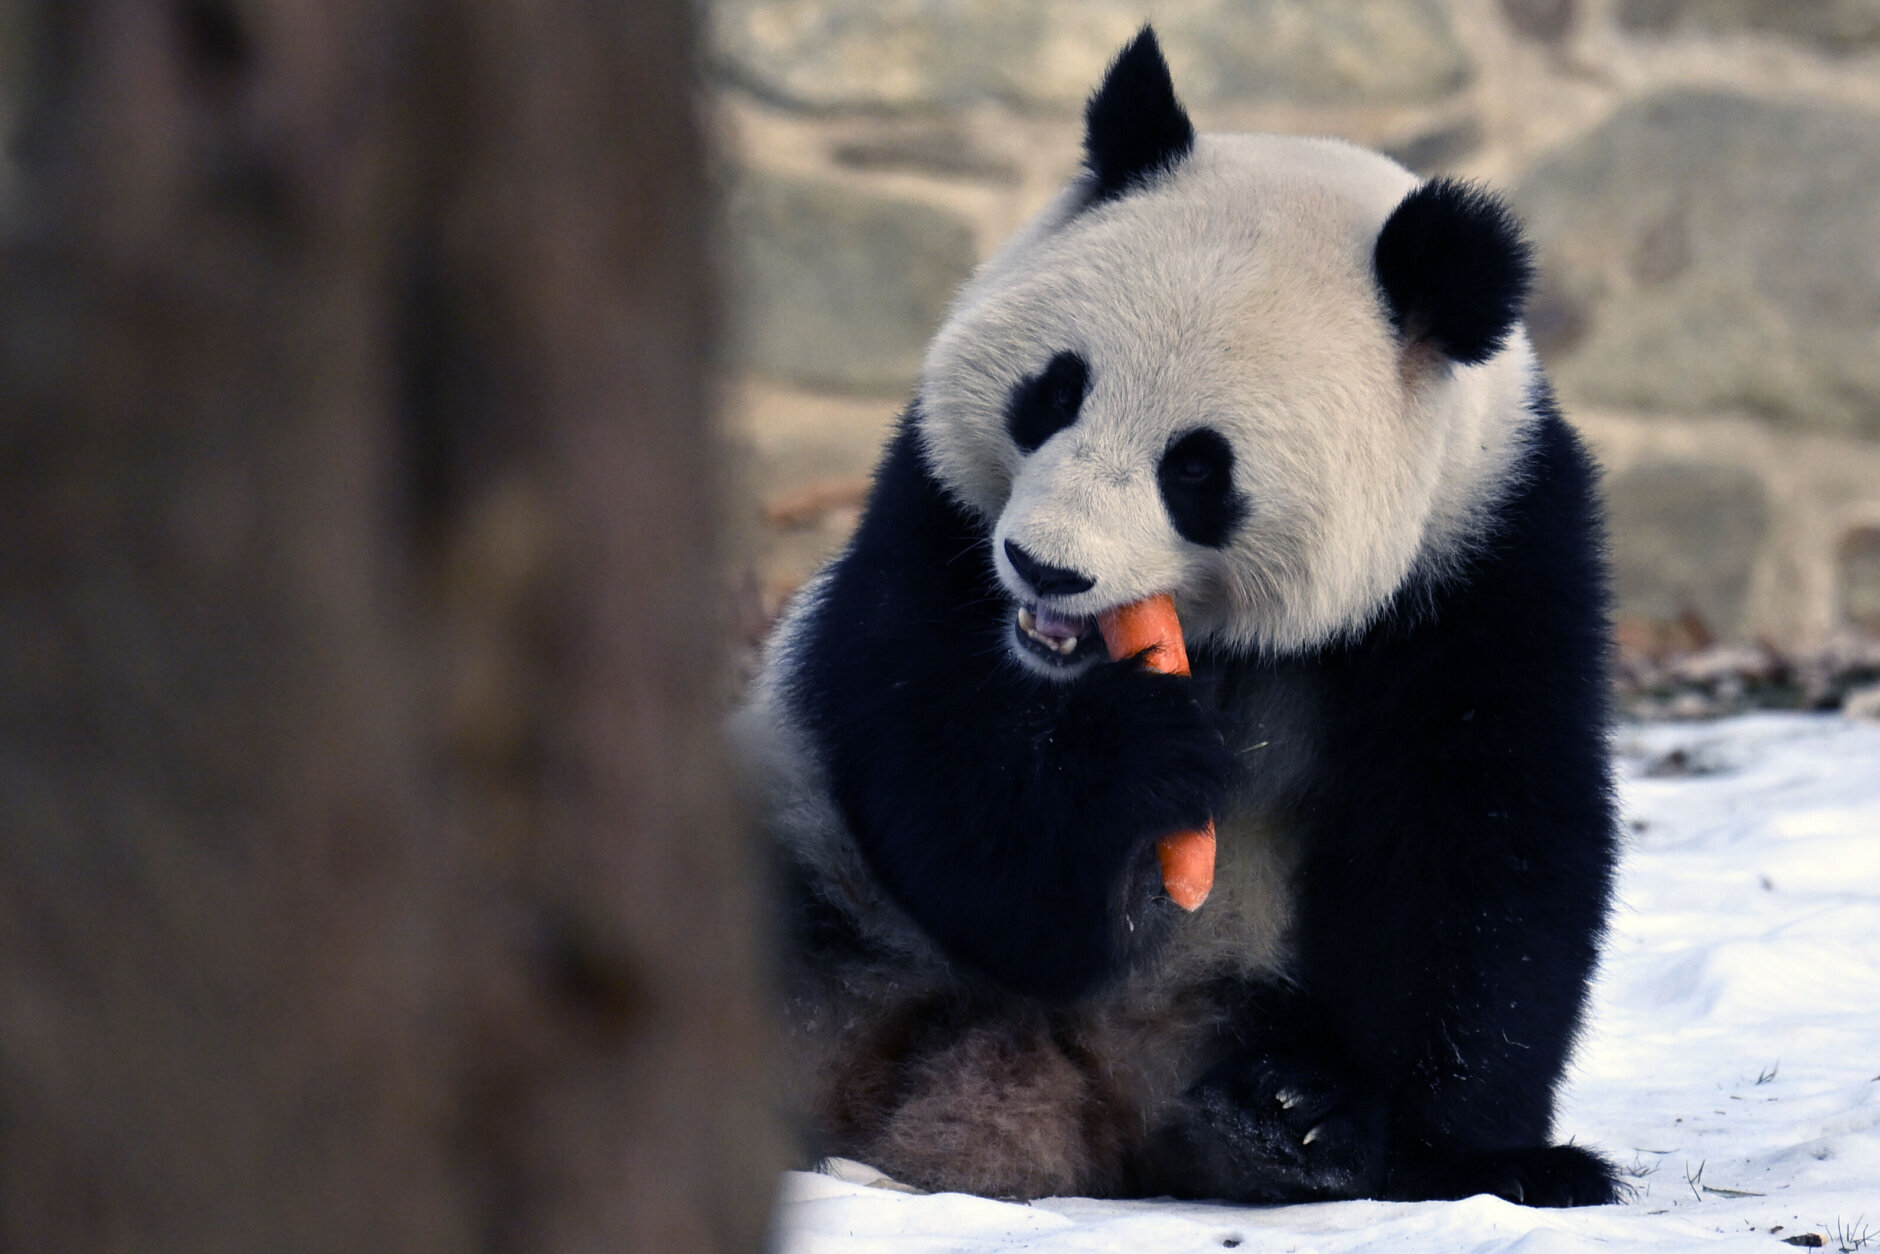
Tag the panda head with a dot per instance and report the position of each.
(1273, 377)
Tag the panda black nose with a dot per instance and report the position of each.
(1045, 579)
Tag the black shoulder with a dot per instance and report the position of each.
(1526, 618)
(913, 538)
(1556, 519)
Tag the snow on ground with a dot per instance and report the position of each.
(1732, 1063)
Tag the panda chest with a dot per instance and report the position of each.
(1242, 927)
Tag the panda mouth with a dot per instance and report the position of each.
(1054, 638)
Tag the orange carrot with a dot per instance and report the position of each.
(1151, 624)
(1151, 627)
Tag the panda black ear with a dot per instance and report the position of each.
(1454, 269)
(1134, 126)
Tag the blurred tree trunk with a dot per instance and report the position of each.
(367, 878)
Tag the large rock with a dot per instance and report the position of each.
(1837, 25)
(938, 54)
(1546, 21)
(1684, 540)
(1711, 252)
(837, 288)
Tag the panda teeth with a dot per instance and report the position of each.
(1028, 623)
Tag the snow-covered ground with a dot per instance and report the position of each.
(1732, 1063)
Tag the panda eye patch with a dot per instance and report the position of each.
(1196, 476)
(1047, 402)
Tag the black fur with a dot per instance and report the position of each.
(1454, 269)
(1445, 774)
(1196, 476)
(1134, 127)
(1047, 402)
(1011, 816)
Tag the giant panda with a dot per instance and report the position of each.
(1285, 382)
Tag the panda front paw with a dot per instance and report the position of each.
(1151, 753)
(1531, 1175)
(1263, 1129)
(1037, 867)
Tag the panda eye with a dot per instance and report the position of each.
(1047, 402)
(1196, 476)
(1192, 469)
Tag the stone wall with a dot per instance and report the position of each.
(1702, 178)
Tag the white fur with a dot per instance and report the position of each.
(1236, 292)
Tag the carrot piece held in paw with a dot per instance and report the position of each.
(1150, 627)
(1187, 860)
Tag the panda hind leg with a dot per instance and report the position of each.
(997, 1108)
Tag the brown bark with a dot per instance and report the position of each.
(367, 878)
